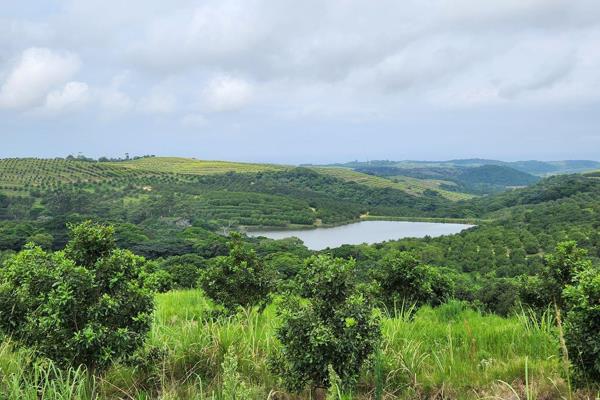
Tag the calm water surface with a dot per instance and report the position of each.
(363, 232)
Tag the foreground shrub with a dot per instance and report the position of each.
(84, 306)
(560, 270)
(582, 324)
(331, 324)
(239, 279)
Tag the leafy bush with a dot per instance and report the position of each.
(561, 268)
(333, 324)
(158, 280)
(582, 324)
(500, 296)
(184, 270)
(239, 279)
(403, 277)
(184, 276)
(84, 306)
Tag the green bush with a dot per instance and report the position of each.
(184, 270)
(500, 296)
(185, 276)
(239, 279)
(403, 278)
(332, 324)
(158, 280)
(582, 324)
(561, 268)
(84, 306)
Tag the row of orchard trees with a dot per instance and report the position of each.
(92, 303)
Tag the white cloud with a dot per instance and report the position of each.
(226, 93)
(335, 59)
(158, 103)
(113, 98)
(37, 71)
(72, 96)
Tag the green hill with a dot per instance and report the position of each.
(484, 179)
(496, 175)
(593, 174)
(534, 167)
(19, 174)
(179, 165)
(159, 194)
(407, 184)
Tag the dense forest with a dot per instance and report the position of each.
(128, 278)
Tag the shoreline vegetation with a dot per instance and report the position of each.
(291, 227)
(468, 221)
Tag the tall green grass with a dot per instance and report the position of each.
(447, 352)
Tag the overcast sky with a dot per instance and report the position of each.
(301, 81)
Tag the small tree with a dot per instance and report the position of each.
(239, 279)
(403, 277)
(582, 324)
(84, 306)
(332, 324)
(560, 269)
(185, 276)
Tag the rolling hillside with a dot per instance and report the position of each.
(496, 175)
(21, 175)
(407, 184)
(534, 167)
(165, 193)
(189, 166)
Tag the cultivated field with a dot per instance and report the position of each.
(179, 165)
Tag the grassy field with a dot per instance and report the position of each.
(404, 183)
(448, 352)
(189, 166)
